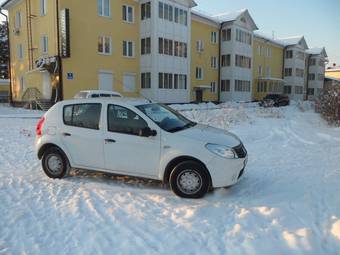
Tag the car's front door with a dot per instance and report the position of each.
(126, 151)
(81, 135)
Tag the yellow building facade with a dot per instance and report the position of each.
(204, 59)
(267, 67)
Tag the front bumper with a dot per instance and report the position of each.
(226, 172)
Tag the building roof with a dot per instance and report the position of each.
(267, 38)
(293, 40)
(233, 16)
(205, 15)
(317, 51)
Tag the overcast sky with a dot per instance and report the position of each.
(317, 20)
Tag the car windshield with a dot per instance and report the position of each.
(165, 117)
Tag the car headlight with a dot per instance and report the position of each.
(221, 150)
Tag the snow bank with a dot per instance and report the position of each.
(287, 203)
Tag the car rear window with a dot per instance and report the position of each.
(82, 115)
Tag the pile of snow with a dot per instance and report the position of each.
(287, 203)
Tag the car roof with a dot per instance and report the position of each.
(119, 100)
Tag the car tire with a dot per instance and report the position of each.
(55, 163)
(189, 179)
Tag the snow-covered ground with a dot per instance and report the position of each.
(287, 203)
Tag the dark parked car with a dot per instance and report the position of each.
(275, 100)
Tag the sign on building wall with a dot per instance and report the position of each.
(65, 33)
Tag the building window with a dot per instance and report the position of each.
(321, 77)
(20, 51)
(300, 55)
(181, 49)
(226, 34)
(289, 54)
(43, 7)
(104, 45)
(213, 37)
(165, 80)
(200, 46)
(213, 63)
(104, 8)
(44, 44)
(269, 52)
(226, 60)
(311, 76)
(199, 73)
(321, 63)
(268, 71)
(165, 11)
(128, 49)
(299, 72)
(165, 46)
(129, 83)
(213, 87)
(181, 16)
(312, 62)
(259, 71)
(146, 46)
(225, 85)
(22, 84)
(288, 72)
(180, 81)
(242, 61)
(18, 19)
(146, 80)
(310, 91)
(146, 11)
(262, 87)
(128, 13)
(243, 37)
(298, 90)
(242, 86)
(287, 90)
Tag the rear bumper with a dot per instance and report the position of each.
(226, 172)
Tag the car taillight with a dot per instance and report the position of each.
(40, 126)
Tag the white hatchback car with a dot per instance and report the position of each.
(138, 138)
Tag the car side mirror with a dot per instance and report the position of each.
(147, 132)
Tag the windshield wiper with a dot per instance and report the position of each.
(176, 129)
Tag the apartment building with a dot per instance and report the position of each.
(268, 66)
(158, 49)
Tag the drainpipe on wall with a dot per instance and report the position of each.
(60, 94)
(219, 62)
(9, 60)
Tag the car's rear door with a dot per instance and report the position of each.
(81, 134)
(125, 150)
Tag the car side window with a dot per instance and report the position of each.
(82, 115)
(123, 120)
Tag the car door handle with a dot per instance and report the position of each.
(66, 134)
(110, 141)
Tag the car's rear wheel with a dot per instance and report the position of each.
(189, 179)
(54, 163)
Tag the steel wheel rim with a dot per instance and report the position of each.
(189, 181)
(54, 164)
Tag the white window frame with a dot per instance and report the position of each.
(199, 45)
(101, 12)
(44, 44)
(43, 7)
(18, 20)
(213, 63)
(126, 44)
(127, 13)
(214, 37)
(103, 38)
(268, 71)
(20, 51)
(213, 87)
(199, 73)
(135, 85)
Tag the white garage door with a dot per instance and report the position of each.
(105, 81)
(129, 82)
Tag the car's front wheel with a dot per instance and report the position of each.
(54, 163)
(189, 179)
